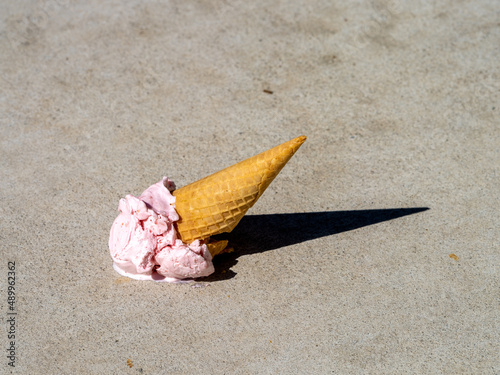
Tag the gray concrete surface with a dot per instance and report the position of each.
(400, 102)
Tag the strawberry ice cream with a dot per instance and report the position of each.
(143, 241)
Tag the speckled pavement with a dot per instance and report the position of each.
(376, 249)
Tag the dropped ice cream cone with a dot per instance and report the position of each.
(217, 203)
(160, 237)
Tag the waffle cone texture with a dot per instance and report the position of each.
(216, 203)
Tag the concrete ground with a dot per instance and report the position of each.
(375, 251)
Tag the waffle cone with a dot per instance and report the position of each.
(217, 247)
(216, 203)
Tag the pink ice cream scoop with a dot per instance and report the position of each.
(144, 244)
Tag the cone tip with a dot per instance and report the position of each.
(297, 142)
(301, 139)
